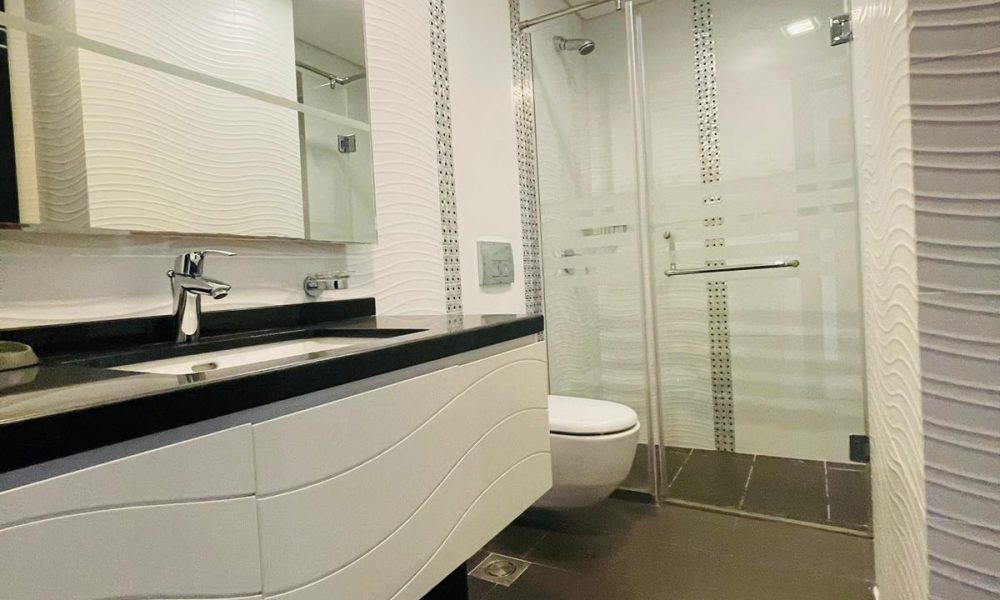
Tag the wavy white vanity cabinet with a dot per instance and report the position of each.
(380, 495)
(174, 522)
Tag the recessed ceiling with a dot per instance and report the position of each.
(336, 26)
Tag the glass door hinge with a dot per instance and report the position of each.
(840, 30)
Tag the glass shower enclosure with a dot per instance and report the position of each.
(700, 240)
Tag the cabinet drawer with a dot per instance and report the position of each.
(218, 465)
(175, 521)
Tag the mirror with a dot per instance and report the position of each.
(244, 118)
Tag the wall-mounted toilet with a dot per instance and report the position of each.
(593, 445)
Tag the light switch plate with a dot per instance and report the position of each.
(496, 263)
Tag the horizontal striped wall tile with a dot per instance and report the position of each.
(960, 354)
(946, 27)
(956, 137)
(963, 560)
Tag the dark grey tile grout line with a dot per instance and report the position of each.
(746, 485)
(535, 545)
(826, 484)
(681, 468)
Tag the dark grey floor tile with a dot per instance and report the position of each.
(669, 572)
(689, 528)
(854, 559)
(579, 538)
(787, 487)
(673, 458)
(850, 498)
(742, 581)
(711, 477)
(479, 589)
(544, 583)
(638, 476)
(474, 560)
(601, 533)
(517, 539)
(628, 550)
(799, 548)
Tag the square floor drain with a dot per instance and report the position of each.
(500, 569)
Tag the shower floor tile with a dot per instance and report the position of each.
(850, 497)
(630, 550)
(836, 494)
(785, 487)
(713, 478)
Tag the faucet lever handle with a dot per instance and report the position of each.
(193, 263)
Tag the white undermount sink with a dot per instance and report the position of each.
(238, 357)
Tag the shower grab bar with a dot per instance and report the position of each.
(723, 268)
(522, 25)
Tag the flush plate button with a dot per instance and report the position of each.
(496, 263)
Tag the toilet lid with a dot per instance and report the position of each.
(586, 416)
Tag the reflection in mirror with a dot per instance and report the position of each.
(336, 158)
(191, 116)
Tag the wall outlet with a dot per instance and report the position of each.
(496, 263)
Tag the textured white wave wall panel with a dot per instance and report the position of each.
(168, 154)
(248, 42)
(176, 521)
(57, 140)
(955, 92)
(882, 118)
(405, 270)
(397, 504)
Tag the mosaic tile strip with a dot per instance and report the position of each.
(446, 163)
(524, 116)
(722, 374)
(706, 86)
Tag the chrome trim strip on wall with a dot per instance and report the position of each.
(446, 163)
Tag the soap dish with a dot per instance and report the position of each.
(14, 355)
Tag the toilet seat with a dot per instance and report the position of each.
(569, 415)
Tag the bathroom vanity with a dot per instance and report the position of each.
(369, 468)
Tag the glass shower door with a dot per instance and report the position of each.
(750, 160)
(586, 160)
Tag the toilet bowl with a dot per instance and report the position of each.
(593, 445)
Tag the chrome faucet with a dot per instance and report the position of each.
(188, 283)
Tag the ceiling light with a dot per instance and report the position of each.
(800, 27)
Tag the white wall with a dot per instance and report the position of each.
(338, 186)
(484, 144)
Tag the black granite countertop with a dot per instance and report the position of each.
(73, 401)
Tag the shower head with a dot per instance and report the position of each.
(583, 46)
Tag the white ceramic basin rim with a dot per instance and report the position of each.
(239, 357)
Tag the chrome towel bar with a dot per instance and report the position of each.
(723, 268)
